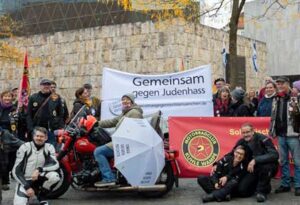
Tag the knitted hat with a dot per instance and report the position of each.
(238, 94)
(296, 85)
(130, 96)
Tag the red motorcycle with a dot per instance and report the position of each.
(80, 170)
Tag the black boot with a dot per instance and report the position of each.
(227, 197)
(208, 198)
(260, 197)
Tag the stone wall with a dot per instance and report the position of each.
(73, 58)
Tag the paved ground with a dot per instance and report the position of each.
(187, 193)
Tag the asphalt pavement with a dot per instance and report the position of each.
(188, 192)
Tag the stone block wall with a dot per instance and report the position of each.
(75, 57)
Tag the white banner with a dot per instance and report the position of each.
(187, 93)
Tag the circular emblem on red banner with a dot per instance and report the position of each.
(200, 148)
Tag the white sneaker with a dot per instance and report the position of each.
(44, 203)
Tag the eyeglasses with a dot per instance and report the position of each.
(246, 132)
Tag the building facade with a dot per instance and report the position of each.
(280, 29)
(75, 57)
(49, 16)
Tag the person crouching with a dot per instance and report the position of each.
(226, 175)
(35, 169)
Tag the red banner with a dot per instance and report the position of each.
(201, 141)
(24, 89)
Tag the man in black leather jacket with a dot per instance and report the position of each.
(45, 109)
(262, 166)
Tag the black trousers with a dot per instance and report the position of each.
(208, 186)
(11, 161)
(0, 188)
(259, 181)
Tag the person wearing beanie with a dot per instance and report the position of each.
(296, 85)
(130, 96)
(130, 110)
(296, 88)
(239, 107)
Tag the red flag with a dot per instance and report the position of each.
(24, 89)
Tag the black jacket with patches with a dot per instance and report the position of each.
(262, 149)
(5, 120)
(225, 168)
(51, 115)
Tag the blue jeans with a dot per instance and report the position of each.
(101, 154)
(292, 145)
(51, 138)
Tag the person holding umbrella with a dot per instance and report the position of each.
(130, 110)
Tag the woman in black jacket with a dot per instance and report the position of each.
(6, 110)
(82, 98)
(240, 106)
(228, 172)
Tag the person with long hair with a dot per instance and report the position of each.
(82, 98)
(222, 102)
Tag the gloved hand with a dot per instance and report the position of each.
(83, 131)
(73, 132)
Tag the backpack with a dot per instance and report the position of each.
(99, 136)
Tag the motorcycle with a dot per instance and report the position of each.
(80, 170)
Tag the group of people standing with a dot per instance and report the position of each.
(246, 170)
(277, 100)
(46, 110)
(239, 103)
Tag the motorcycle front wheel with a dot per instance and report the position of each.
(167, 178)
(62, 186)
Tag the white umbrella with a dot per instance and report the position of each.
(139, 152)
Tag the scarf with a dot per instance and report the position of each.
(6, 106)
(88, 102)
(222, 106)
(270, 95)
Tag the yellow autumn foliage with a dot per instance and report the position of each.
(164, 9)
(10, 53)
